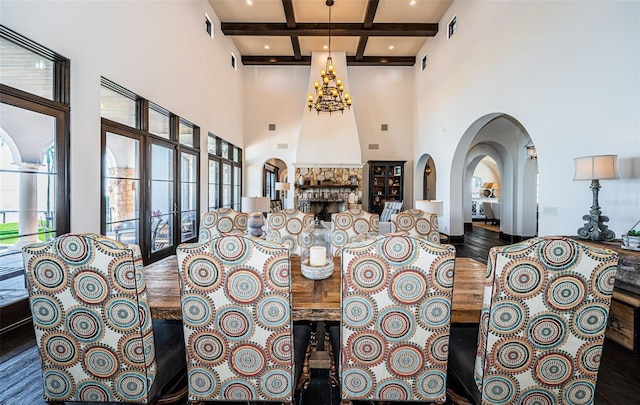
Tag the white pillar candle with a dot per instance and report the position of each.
(318, 256)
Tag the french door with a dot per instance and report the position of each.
(34, 204)
(150, 192)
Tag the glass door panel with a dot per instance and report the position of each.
(214, 184)
(122, 188)
(226, 185)
(237, 188)
(28, 178)
(163, 207)
(189, 195)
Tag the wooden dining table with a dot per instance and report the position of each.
(315, 300)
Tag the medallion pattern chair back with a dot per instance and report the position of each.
(417, 223)
(222, 221)
(236, 306)
(543, 321)
(91, 319)
(348, 224)
(396, 312)
(285, 227)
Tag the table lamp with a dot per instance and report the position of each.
(283, 186)
(494, 186)
(596, 168)
(255, 207)
(486, 189)
(431, 206)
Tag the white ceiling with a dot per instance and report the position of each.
(343, 11)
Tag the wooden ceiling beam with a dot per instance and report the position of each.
(362, 45)
(295, 44)
(370, 14)
(276, 60)
(337, 29)
(381, 61)
(249, 60)
(287, 5)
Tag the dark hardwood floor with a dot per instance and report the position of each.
(21, 381)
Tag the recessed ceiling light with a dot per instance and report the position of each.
(249, 3)
(411, 3)
(391, 47)
(325, 47)
(266, 47)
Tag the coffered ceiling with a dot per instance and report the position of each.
(371, 32)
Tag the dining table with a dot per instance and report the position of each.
(316, 300)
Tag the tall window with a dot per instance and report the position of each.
(225, 174)
(150, 176)
(270, 176)
(34, 143)
(123, 180)
(188, 196)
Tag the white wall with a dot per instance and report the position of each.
(569, 72)
(157, 49)
(278, 95)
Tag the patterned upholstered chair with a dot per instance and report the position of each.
(348, 224)
(392, 344)
(542, 326)
(285, 227)
(417, 223)
(92, 323)
(236, 306)
(222, 221)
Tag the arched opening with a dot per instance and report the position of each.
(495, 145)
(428, 181)
(274, 171)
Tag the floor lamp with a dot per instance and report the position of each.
(596, 168)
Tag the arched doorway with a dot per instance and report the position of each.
(428, 181)
(274, 171)
(503, 139)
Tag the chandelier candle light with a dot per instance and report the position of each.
(330, 95)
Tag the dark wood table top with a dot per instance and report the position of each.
(315, 300)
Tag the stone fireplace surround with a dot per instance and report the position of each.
(315, 187)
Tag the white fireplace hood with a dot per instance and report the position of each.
(328, 140)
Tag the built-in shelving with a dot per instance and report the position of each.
(386, 183)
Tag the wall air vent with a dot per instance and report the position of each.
(374, 146)
(283, 146)
(272, 127)
(384, 127)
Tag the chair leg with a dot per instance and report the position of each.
(305, 376)
(333, 377)
(456, 398)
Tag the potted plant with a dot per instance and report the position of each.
(632, 239)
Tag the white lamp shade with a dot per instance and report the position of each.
(282, 186)
(256, 204)
(432, 206)
(602, 167)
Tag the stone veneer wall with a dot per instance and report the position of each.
(331, 177)
(122, 193)
(338, 176)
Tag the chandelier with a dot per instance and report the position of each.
(330, 95)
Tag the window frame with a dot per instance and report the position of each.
(59, 108)
(234, 159)
(148, 139)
